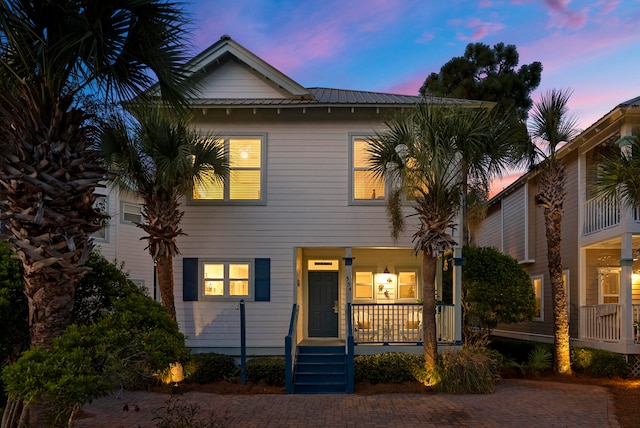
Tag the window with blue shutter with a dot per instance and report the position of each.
(213, 280)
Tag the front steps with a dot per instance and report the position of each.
(320, 370)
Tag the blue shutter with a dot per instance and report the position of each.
(263, 280)
(189, 279)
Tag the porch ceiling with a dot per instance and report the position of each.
(614, 244)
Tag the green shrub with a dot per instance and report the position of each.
(98, 289)
(123, 349)
(471, 370)
(599, 363)
(210, 367)
(540, 359)
(269, 370)
(389, 367)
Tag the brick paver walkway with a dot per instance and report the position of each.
(516, 403)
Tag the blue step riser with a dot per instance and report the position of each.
(320, 370)
(319, 380)
(330, 359)
(316, 368)
(321, 350)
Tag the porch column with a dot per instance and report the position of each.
(626, 268)
(348, 271)
(457, 293)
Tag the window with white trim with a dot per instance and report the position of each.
(365, 186)
(130, 213)
(609, 280)
(363, 285)
(226, 279)
(538, 291)
(102, 204)
(246, 173)
(407, 285)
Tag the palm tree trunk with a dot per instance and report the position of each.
(429, 309)
(551, 198)
(50, 302)
(164, 265)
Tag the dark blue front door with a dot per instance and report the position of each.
(323, 304)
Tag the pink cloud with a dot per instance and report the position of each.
(562, 16)
(408, 87)
(481, 29)
(426, 37)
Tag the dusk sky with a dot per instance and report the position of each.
(589, 46)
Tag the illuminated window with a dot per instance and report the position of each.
(363, 289)
(609, 279)
(538, 291)
(366, 187)
(246, 168)
(408, 285)
(226, 279)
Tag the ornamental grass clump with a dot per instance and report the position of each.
(471, 370)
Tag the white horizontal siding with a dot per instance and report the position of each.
(124, 245)
(307, 206)
(513, 208)
(232, 80)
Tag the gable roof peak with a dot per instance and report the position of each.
(227, 47)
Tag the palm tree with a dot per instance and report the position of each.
(418, 152)
(52, 53)
(618, 174)
(159, 157)
(488, 142)
(551, 124)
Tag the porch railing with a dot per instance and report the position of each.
(636, 323)
(399, 323)
(600, 213)
(601, 322)
(291, 350)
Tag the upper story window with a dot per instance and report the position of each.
(246, 181)
(365, 187)
(102, 204)
(130, 213)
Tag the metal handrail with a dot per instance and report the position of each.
(291, 349)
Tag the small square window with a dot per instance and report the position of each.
(130, 213)
(226, 279)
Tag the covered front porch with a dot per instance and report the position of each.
(609, 310)
(352, 301)
(372, 294)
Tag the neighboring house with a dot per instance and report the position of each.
(120, 241)
(299, 224)
(599, 243)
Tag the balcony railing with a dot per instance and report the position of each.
(600, 213)
(399, 323)
(601, 322)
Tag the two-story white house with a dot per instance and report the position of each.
(299, 231)
(599, 242)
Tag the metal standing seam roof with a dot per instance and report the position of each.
(329, 96)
